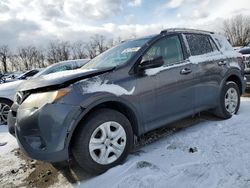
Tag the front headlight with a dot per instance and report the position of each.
(37, 100)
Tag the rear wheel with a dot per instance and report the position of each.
(103, 141)
(4, 110)
(229, 101)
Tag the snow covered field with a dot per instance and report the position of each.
(211, 153)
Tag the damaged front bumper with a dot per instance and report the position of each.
(42, 133)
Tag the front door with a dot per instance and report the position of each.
(174, 88)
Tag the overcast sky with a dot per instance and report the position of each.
(24, 22)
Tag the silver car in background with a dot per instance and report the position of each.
(245, 51)
(8, 90)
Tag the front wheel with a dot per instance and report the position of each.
(103, 141)
(229, 102)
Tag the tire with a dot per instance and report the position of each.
(224, 111)
(4, 106)
(94, 132)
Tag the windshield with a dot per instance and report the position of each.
(117, 55)
(44, 71)
(21, 75)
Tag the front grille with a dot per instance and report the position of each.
(20, 97)
(247, 63)
(246, 59)
(247, 77)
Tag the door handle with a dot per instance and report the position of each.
(222, 63)
(186, 71)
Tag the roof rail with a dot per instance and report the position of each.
(184, 29)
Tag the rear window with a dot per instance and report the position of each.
(199, 44)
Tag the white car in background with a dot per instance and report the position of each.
(23, 76)
(8, 90)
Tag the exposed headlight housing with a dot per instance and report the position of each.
(37, 100)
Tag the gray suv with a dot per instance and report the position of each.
(92, 115)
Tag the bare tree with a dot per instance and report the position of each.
(237, 29)
(58, 51)
(99, 42)
(15, 63)
(91, 49)
(96, 45)
(31, 57)
(78, 50)
(39, 58)
(24, 55)
(4, 55)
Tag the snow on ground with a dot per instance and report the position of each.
(221, 160)
(212, 153)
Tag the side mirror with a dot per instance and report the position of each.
(149, 64)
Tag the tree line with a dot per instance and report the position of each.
(236, 29)
(31, 57)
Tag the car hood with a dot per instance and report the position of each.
(10, 85)
(60, 79)
(245, 50)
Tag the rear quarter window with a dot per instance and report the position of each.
(200, 44)
(223, 43)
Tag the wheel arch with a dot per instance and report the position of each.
(6, 99)
(234, 75)
(115, 104)
(235, 78)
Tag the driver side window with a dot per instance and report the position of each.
(169, 48)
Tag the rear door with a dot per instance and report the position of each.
(174, 92)
(208, 63)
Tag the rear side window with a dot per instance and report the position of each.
(223, 43)
(199, 44)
